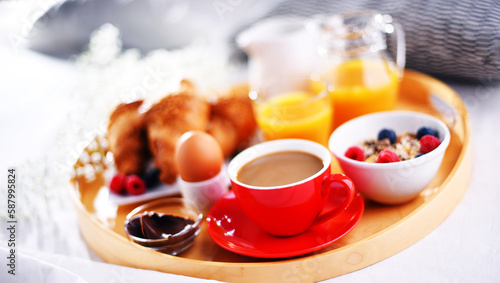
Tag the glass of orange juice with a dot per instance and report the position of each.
(362, 74)
(293, 109)
(361, 86)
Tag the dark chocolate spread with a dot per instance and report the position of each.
(152, 225)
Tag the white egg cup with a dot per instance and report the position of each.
(205, 193)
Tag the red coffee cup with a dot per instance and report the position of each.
(290, 209)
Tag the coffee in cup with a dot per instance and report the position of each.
(279, 168)
(283, 185)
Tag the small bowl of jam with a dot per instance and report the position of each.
(167, 225)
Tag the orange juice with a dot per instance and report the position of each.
(358, 87)
(295, 115)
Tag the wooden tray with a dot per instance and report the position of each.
(382, 231)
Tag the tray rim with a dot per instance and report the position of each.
(428, 206)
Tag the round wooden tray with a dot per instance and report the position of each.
(382, 231)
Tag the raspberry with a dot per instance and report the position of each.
(356, 153)
(135, 185)
(387, 134)
(426, 131)
(117, 183)
(428, 143)
(387, 156)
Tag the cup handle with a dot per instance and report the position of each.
(347, 184)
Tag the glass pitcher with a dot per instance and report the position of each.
(361, 74)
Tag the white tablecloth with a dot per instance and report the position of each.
(34, 91)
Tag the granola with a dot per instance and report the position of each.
(406, 147)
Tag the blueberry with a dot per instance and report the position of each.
(387, 134)
(436, 134)
(426, 131)
(418, 155)
(151, 177)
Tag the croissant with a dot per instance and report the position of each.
(135, 138)
(127, 139)
(232, 122)
(166, 121)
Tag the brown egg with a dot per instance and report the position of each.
(198, 156)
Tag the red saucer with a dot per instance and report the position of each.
(231, 229)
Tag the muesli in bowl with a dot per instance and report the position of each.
(391, 169)
(388, 147)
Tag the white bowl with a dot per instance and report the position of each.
(389, 183)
